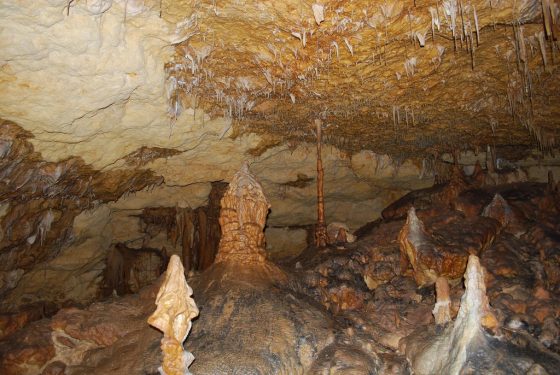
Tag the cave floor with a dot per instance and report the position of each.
(348, 308)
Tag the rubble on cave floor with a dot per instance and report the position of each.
(349, 308)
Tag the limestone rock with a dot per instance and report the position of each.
(339, 233)
(175, 310)
(441, 311)
(427, 260)
(242, 220)
(474, 315)
(442, 246)
(499, 209)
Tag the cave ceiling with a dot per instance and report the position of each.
(397, 77)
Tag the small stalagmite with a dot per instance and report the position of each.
(175, 310)
(475, 309)
(428, 258)
(339, 233)
(441, 311)
(456, 185)
(459, 340)
(242, 219)
(499, 209)
(414, 241)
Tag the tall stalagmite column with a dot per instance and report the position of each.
(242, 219)
(321, 228)
(175, 310)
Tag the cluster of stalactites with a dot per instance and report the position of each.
(242, 219)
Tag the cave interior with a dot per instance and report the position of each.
(279, 187)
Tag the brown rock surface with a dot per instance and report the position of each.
(132, 113)
(343, 309)
(447, 255)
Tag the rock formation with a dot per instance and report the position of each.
(345, 309)
(441, 311)
(175, 311)
(415, 245)
(456, 342)
(339, 233)
(321, 235)
(444, 250)
(426, 259)
(121, 122)
(499, 209)
(242, 219)
(246, 299)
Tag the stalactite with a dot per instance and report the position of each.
(202, 238)
(542, 46)
(476, 26)
(185, 221)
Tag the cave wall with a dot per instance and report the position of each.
(86, 82)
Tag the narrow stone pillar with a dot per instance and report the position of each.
(173, 315)
(321, 227)
(441, 311)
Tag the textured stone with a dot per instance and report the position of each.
(441, 311)
(242, 220)
(427, 260)
(474, 314)
(175, 310)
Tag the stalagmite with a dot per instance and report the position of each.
(339, 233)
(474, 315)
(429, 258)
(242, 220)
(459, 340)
(551, 185)
(499, 209)
(321, 228)
(475, 309)
(441, 311)
(175, 310)
(490, 159)
(414, 242)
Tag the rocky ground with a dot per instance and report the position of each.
(351, 308)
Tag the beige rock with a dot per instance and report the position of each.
(242, 220)
(441, 311)
(474, 314)
(175, 310)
